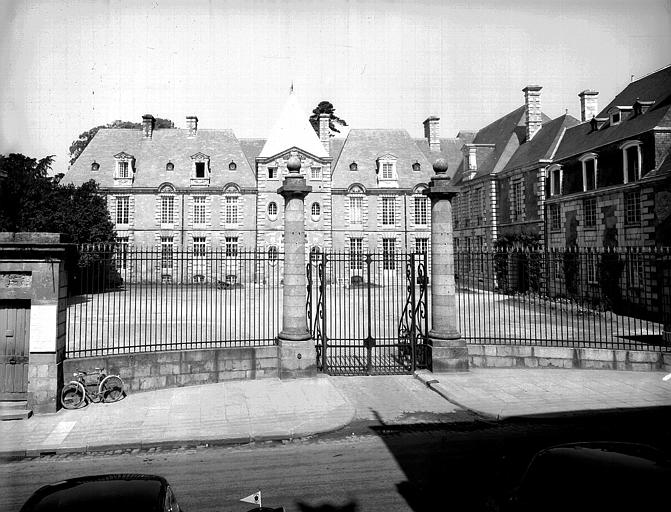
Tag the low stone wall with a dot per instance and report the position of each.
(157, 370)
(507, 356)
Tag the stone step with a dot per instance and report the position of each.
(14, 410)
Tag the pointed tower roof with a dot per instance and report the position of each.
(293, 129)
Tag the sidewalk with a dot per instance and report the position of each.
(225, 413)
(504, 393)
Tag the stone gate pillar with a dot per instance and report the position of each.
(449, 352)
(298, 357)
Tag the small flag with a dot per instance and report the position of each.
(253, 498)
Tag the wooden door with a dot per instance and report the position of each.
(14, 348)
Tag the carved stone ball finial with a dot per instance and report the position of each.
(293, 165)
(440, 167)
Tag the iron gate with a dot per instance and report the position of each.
(368, 312)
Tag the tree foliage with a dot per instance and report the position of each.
(326, 107)
(30, 200)
(78, 146)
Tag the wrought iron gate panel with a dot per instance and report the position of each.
(367, 312)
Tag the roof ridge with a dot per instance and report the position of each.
(651, 73)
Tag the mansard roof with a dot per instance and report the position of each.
(151, 156)
(292, 129)
(653, 87)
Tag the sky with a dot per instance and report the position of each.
(69, 65)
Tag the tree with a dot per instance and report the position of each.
(84, 138)
(326, 107)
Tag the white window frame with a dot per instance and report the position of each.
(199, 246)
(231, 209)
(272, 205)
(625, 164)
(551, 172)
(199, 214)
(589, 200)
(587, 157)
(315, 211)
(388, 209)
(551, 208)
(273, 254)
(422, 245)
(275, 172)
(389, 253)
(167, 250)
(632, 214)
(123, 168)
(421, 211)
(356, 253)
(386, 170)
(122, 252)
(122, 212)
(356, 210)
(167, 210)
(231, 246)
(315, 173)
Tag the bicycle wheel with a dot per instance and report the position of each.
(111, 388)
(73, 395)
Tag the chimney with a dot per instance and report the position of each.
(589, 105)
(532, 109)
(192, 125)
(325, 131)
(432, 132)
(148, 122)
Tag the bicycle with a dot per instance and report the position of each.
(94, 386)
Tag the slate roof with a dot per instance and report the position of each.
(450, 150)
(292, 129)
(507, 133)
(364, 146)
(152, 155)
(543, 144)
(656, 86)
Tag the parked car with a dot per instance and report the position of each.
(105, 493)
(594, 476)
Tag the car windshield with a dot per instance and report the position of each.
(101, 496)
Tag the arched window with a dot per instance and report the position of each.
(315, 253)
(555, 180)
(232, 166)
(272, 210)
(631, 161)
(589, 171)
(316, 211)
(353, 166)
(169, 166)
(272, 254)
(95, 166)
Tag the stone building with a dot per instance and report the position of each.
(196, 189)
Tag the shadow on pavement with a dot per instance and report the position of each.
(326, 507)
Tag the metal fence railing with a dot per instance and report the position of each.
(126, 300)
(600, 298)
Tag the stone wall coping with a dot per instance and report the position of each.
(35, 238)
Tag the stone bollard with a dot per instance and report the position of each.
(298, 357)
(449, 351)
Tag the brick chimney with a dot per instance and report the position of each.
(432, 132)
(148, 123)
(192, 125)
(589, 105)
(532, 109)
(325, 131)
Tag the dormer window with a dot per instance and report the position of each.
(386, 170)
(232, 166)
(169, 166)
(556, 174)
(353, 166)
(124, 169)
(615, 118)
(631, 161)
(416, 167)
(589, 171)
(95, 166)
(315, 173)
(200, 172)
(272, 173)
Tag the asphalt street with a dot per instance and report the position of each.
(372, 465)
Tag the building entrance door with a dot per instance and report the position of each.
(14, 348)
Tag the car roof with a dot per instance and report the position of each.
(110, 492)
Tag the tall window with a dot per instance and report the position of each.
(387, 171)
(272, 173)
(122, 252)
(355, 208)
(631, 161)
(480, 215)
(122, 209)
(199, 209)
(166, 252)
(315, 253)
(555, 180)
(388, 252)
(635, 270)
(555, 217)
(231, 210)
(592, 267)
(388, 211)
(589, 171)
(272, 254)
(315, 173)
(123, 169)
(481, 254)
(167, 209)
(517, 201)
(421, 216)
(589, 209)
(272, 210)
(356, 253)
(632, 207)
(315, 211)
(422, 245)
(231, 246)
(199, 246)
(200, 169)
